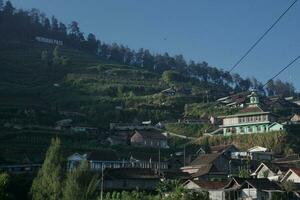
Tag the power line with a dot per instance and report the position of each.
(292, 62)
(261, 37)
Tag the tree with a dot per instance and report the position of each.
(171, 76)
(271, 88)
(54, 24)
(75, 33)
(8, 9)
(4, 182)
(81, 184)
(47, 185)
(62, 29)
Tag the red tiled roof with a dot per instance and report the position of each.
(251, 109)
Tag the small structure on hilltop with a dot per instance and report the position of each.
(252, 119)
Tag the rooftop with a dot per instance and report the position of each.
(151, 134)
(204, 159)
(102, 155)
(221, 148)
(210, 185)
(130, 173)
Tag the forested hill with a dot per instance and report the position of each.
(100, 82)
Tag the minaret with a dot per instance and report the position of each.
(254, 99)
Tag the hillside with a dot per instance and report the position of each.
(34, 94)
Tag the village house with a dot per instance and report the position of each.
(226, 150)
(130, 126)
(255, 153)
(249, 188)
(259, 189)
(149, 138)
(147, 161)
(97, 160)
(120, 137)
(271, 171)
(293, 175)
(252, 119)
(130, 179)
(236, 188)
(214, 188)
(292, 160)
(174, 174)
(63, 124)
(208, 166)
(295, 119)
(20, 168)
(109, 159)
(234, 101)
(84, 129)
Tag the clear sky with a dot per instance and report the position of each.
(215, 31)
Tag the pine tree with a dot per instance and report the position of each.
(47, 185)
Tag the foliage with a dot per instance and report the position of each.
(170, 76)
(48, 183)
(4, 183)
(275, 141)
(193, 130)
(244, 173)
(134, 195)
(81, 184)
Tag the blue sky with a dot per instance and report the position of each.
(215, 31)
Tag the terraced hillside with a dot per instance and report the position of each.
(35, 91)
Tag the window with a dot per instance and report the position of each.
(250, 129)
(242, 130)
(258, 128)
(233, 130)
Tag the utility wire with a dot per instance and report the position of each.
(292, 62)
(261, 37)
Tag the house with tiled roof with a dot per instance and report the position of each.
(149, 138)
(214, 188)
(295, 118)
(252, 119)
(271, 171)
(208, 166)
(97, 160)
(293, 175)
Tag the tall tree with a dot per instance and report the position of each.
(81, 184)
(8, 8)
(54, 24)
(47, 185)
